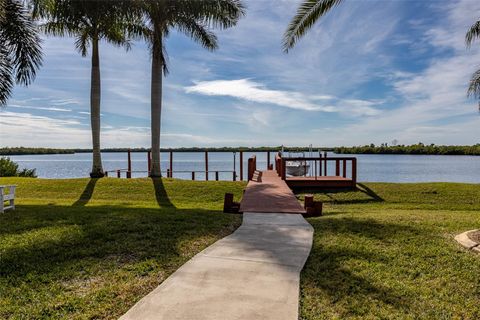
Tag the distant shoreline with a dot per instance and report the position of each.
(16, 151)
(415, 149)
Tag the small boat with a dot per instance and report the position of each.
(297, 168)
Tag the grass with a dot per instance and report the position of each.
(387, 251)
(84, 249)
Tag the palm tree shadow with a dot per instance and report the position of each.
(369, 192)
(160, 193)
(86, 194)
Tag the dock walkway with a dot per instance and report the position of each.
(270, 194)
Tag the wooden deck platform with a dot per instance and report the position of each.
(270, 194)
(319, 182)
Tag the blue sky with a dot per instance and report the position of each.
(370, 72)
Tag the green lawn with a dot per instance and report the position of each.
(387, 252)
(84, 248)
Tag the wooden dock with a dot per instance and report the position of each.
(319, 182)
(269, 193)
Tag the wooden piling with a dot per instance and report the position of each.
(308, 203)
(325, 164)
(129, 170)
(193, 175)
(241, 165)
(206, 165)
(268, 160)
(171, 164)
(216, 175)
(149, 162)
(354, 172)
(337, 168)
(118, 173)
(344, 168)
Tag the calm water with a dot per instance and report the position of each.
(385, 168)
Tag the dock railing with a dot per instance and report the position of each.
(320, 166)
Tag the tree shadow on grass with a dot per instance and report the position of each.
(87, 193)
(347, 196)
(70, 236)
(160, 193)
(372, 194)
(336, 270)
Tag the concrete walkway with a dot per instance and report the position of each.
(251, 274)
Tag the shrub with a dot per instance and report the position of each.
(9, 168)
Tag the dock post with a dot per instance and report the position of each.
(337, 167)
(168, 173)
(325, 164)
(118, 173)
(216, 175)
(206, 165)
(171, 165)
(149, 161)
(344, 168)
(129, 170)
(193, 175)
(268, 160)
(241, 165)
(354, 172)
(234, 176)
(284, 174)
(308, 201)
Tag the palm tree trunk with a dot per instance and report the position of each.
(97, 169)
(156, 107)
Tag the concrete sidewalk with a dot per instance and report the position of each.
(251, 274)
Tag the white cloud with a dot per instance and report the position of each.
(248, 90)
(435, 108)
(39, 108)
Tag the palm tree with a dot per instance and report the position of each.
(191, 17)
(474, 87)
(307, 14)
(89, 21)
(20, 51)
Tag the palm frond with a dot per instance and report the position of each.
(220, 14)
(82, 42)
(473, 33)
(20, 41)
(197, 32)
(474, 87)
(6, 76)
(307, 14)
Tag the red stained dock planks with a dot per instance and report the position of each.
(271, 194)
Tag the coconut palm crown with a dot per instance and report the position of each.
(194, 18)
(89, 22)
(20, 50)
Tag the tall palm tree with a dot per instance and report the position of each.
(89, 21)
(474, 87)
(191, 17)
(307, 14)
(20, 51)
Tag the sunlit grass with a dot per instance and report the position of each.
(387, 252)
(81, 248)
